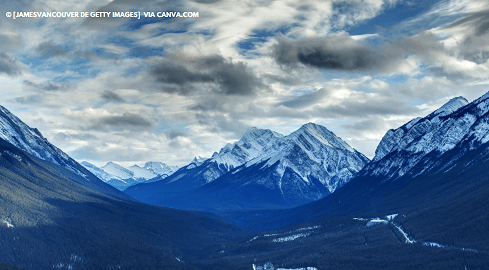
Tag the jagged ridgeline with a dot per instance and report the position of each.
(262, 170)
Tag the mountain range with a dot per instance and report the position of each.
(262, 170)
(421, 203)
(121, 178)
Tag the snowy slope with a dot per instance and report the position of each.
(159, 168)
(263, 169)
(139, 172)
(324, 156)
(205, 170)
(247, 148)
(455, 123)
(101, 174)
(118, 170)
(30, 140)
(121, 177)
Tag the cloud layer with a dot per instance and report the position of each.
(169, 89)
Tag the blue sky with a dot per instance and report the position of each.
(133, 90)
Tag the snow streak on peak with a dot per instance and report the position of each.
(160, 168)
(455, 124)
(30, 140)
(101, 174)
(451, 106)
(247, 148)
(118, 170)
(323, 135)
(313, 151)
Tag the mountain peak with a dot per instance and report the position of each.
(452, 105)
(323, 135)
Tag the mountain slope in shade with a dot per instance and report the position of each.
(49, 220)
(287, 171)
(435, 179)
(30, 140)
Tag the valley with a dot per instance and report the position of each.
(410, 207)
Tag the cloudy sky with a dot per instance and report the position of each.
(132, 90)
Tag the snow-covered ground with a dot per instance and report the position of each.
(407, 239)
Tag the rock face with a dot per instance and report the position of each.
(455, 124)
(262, 170)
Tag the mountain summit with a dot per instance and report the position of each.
(263, 169)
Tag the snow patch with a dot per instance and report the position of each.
(8, 222)
(376, 221)
(290, 238)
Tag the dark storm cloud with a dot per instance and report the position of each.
(338, 53)
(171, 73)
(172, 134)
(51, 50)
(46, 86)
(9, 65)
(207, 1)
(213, 73)
(111, 96)
(307, 99)
(127, 120)
(341, 52)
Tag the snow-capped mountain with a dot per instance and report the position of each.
(248, 147)
(30, 140)
(263, 169)
(159, 168)
(117, 170)
(201, 170)
(420, 142)
(432, 172)
(313, 151)
(121, 177)
(101, 174)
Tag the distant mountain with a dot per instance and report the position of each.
(50, 219)
(118, 170)
(205, 170)
(121, 177)
(262, 170)
(159, 168)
